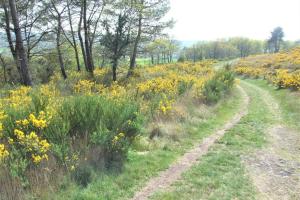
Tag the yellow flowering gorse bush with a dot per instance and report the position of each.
(281, 69)
(84, 86)
(18, 97)
(26, 137)
(31, 136)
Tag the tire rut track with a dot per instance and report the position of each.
(174, 172)
(275, 169)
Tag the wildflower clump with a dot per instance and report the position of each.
(115, 91)
(158, 85)
(165, 105)
(18, 97)
(284, 79)
(26, 141)
(2, 117)
(72, 161)
(3, 152)
(117, 138)
(84, 87)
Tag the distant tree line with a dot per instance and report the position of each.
(237, 47)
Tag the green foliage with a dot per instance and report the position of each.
(274, 43)
(82, 175)
(181, 58)
(227, 78)
(151, 157)
(92, 113)
(223, 49)
(110, 124)
(218, 86)
(183, 87)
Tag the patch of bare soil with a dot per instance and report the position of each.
(173, 173)
(275, 170)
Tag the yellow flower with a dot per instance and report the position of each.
(10, 140)
(1, 129)
(18, 97)
(25, 122)
(3, 152)
(32, 117)
(20, 134)
(36, 158)
(165, 105)
(44, 146)
(84, 86)
(121, 135)
(38, 123)
(32, 137)
(45, 156)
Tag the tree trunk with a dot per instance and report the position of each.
(92, 58)
(92, 37)
(86, 39)
(60, 59)
(102, 62)
(277, 46)
(114, 69)
(80, 38)
(8, 33)
(9, 38)
(73, 37)
(77, 56)
(4, 68)
(20, 51)
(135, 46)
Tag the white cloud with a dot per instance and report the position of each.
(213, 19)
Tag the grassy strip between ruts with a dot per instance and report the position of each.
(140, 167)
(220, 174)
(288, 100)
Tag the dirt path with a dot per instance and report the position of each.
(173, 173)
(275, 170)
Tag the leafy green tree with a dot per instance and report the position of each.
(17, 47)
(116, 40)
(243, 45)
(147, 23)
(163, 49)
(276, 40)
(56, 11)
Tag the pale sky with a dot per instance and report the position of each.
(215, 19)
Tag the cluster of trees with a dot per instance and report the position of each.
(222, 49)
(162, 50)
(274, 44)
(110, 29)
(236, 47)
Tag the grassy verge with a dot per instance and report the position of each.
(140, 167)
(220, 174)
(288, 100)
